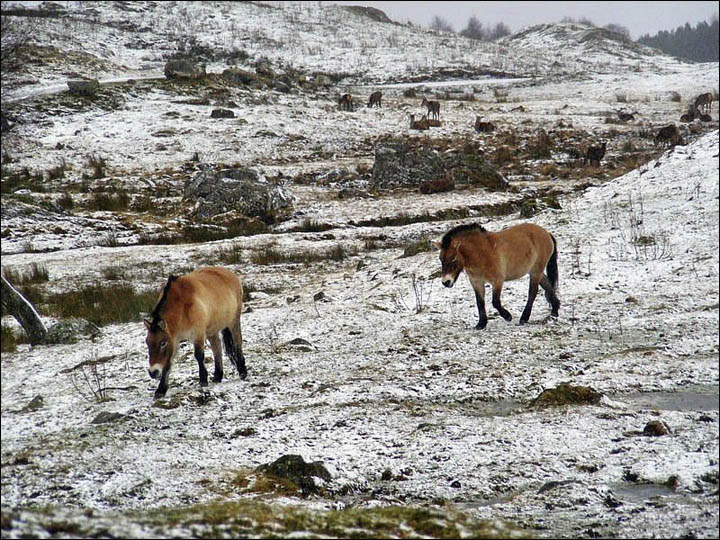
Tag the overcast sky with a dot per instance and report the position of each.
(638, 17)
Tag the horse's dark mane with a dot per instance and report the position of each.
(445, 243)
(155, 315)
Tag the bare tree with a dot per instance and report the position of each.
(474, 29)
(619, 28)
(17, 305)
(441, 24)
(498, 31)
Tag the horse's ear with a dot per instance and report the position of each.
(148, 322)
(162, 325)
(437, 245)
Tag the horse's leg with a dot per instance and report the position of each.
(497, 290)
(532, 293)
(480, 300)
(200, 357)
(217, 356)
(550, 295)
(163, 386)
(239, 356)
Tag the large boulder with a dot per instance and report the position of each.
(83, 87)
(404, 163)
(398, 164)
(184, 68)
(237, 188)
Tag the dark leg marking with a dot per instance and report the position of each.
(482, 315)
(504, 313)
(200, 357)
(550, 296)
(532, 293)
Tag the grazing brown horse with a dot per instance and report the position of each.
(433, 108)
(346, 102)
(704, 102)
(195, 307)
(496, 257)
(668, 134)
(375, 99)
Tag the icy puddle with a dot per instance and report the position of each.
(695, 398)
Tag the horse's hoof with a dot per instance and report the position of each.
(159, 395)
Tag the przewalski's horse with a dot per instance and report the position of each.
(704, 102)
(483, 127)
(346, 102)
(496, 257)
(668, 134)
(594, 154)
(195, 307)
(433, 108)
(375, 99)
(423, 123)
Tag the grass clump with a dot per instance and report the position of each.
(36, 273)
(101, 304)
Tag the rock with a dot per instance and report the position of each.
(656, 428)
(105, 417)
(240, 77)
(238, 188)
(294, 468)
(83, 87)
(531, 207)
(184, 68)
(566, 394)
(35, 403)
(71, 330)
(222, 113)
(398, 163)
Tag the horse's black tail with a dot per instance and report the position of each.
(552, 267)
(230, 348)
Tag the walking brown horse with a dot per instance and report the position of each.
(496, 257)
(195, 307)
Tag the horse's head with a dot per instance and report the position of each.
(161, 346)
(452, 262)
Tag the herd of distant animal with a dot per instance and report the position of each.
(207, 303)
(698, 109)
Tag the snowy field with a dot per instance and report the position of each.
(368, 364)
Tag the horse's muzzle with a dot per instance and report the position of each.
(154, 373)
(448, 283)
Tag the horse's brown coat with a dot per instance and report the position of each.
(196, 307)
(496, 257)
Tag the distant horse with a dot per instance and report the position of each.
(704, 102)
(346, 102)
(594, 154)
(626, 116)
(483, 127)
(489, 257)
(375, 99)
(421, 124)
(668, 134)
(433, 108)
(195, 307)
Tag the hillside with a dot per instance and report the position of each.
(410, 421)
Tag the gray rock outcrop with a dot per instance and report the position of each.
(240, 189)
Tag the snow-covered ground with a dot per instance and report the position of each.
(384, 371)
